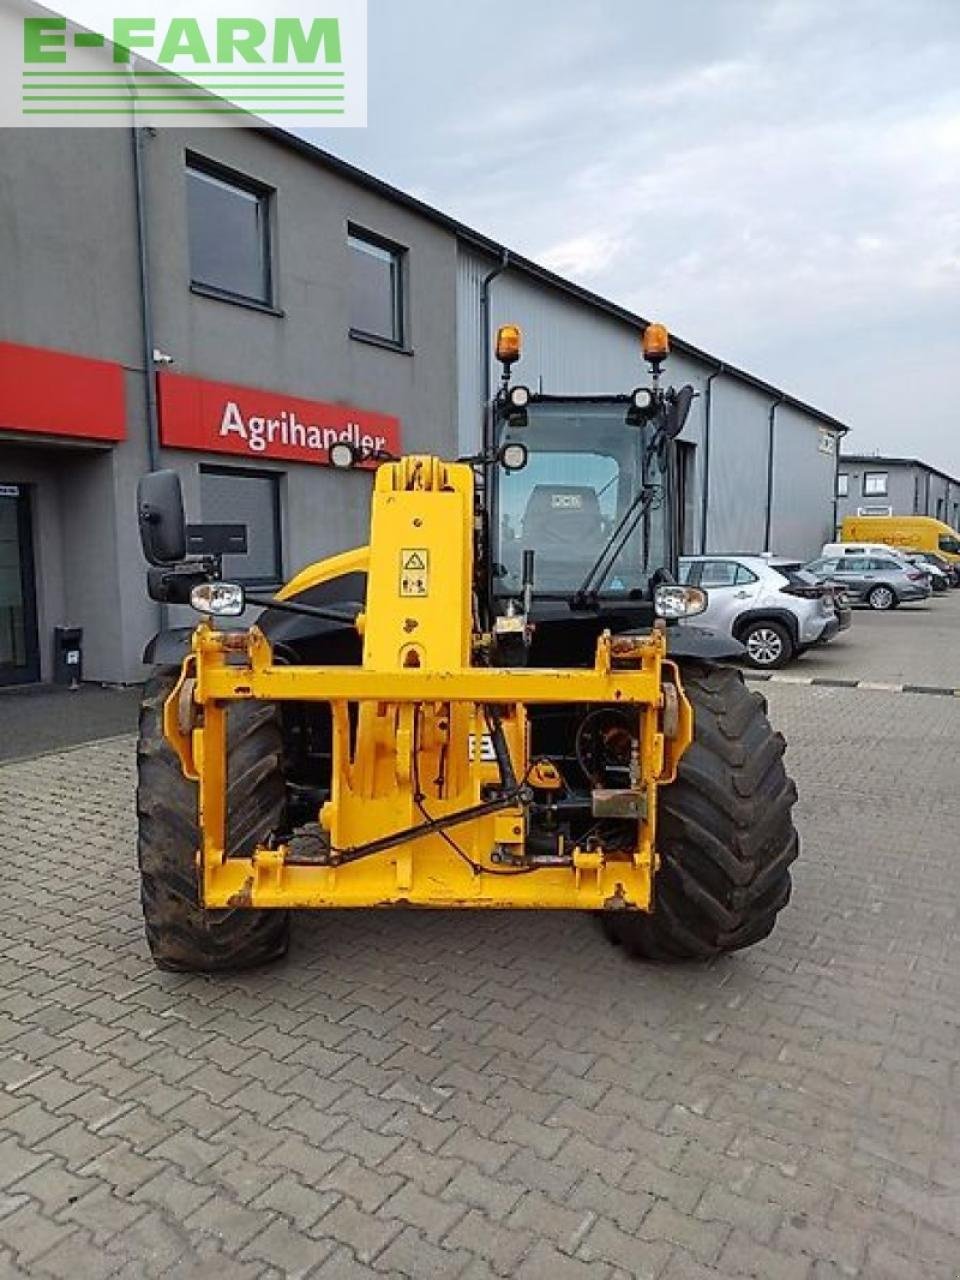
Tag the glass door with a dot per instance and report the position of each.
(19, 652)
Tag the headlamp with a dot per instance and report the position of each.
(219, 599)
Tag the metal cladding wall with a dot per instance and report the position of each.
(739, 427)
(571, 347)
(804, 477)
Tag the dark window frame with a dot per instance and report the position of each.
(266, 196)
(275, 478)
(400, 302)
(875, 493)
(843, 484)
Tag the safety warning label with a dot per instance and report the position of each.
(414, 571)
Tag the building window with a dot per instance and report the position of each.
(228, 225)
(231, 495)
(875, 484)
(376, 288)
(940, 508)
(843, 484)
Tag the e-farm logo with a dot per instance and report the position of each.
(303, 62)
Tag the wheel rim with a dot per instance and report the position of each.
(764, 646)
(881, 598)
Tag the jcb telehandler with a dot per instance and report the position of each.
(487, 706)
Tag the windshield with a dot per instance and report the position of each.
(582, 475)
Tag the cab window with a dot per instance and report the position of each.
(950, 544)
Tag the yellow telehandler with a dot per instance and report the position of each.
(489, 705)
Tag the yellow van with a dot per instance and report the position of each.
(913, 533)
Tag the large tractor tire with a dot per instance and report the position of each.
(182, 936)
(725, 831)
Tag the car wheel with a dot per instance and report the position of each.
(768, 645)
(881, 598)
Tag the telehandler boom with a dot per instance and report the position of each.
(489, 705)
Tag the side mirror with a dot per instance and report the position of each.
(163, 528)
(678, 410)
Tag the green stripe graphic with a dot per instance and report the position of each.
(181, 111)
(177, 97)
(196, 75)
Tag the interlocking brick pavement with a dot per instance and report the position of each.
(483, 1095)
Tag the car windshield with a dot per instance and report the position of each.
(950, 543)
(583, 476)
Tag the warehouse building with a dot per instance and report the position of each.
(228, 302)
(877, 485)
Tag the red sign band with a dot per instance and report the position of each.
(217, 417)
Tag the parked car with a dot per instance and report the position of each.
(771, 606)
(940, 562)
(939, 580)
(882, 581)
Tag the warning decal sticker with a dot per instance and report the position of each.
(414, 571)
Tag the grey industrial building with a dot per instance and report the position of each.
(226, 302)
(878, 485)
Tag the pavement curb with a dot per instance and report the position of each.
(832, 682)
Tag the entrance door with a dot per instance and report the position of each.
(19, 652)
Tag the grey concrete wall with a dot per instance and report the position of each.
(68, 242)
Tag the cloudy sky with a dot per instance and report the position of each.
(778, 180)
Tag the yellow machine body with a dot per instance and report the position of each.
(411, 733)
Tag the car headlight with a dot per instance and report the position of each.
(221, 599)
(672, 601)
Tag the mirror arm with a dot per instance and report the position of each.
(307, 610)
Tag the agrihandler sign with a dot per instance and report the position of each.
(217, 417)
(208, 62)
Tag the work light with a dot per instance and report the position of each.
(342, 455)
(672, 601)
(220, 599)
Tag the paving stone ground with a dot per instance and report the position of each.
(481, 1095)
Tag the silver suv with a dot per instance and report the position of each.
(774, 608)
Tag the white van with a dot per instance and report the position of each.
(862, 549)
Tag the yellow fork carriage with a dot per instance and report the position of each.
(420, 810)
(670, 815)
